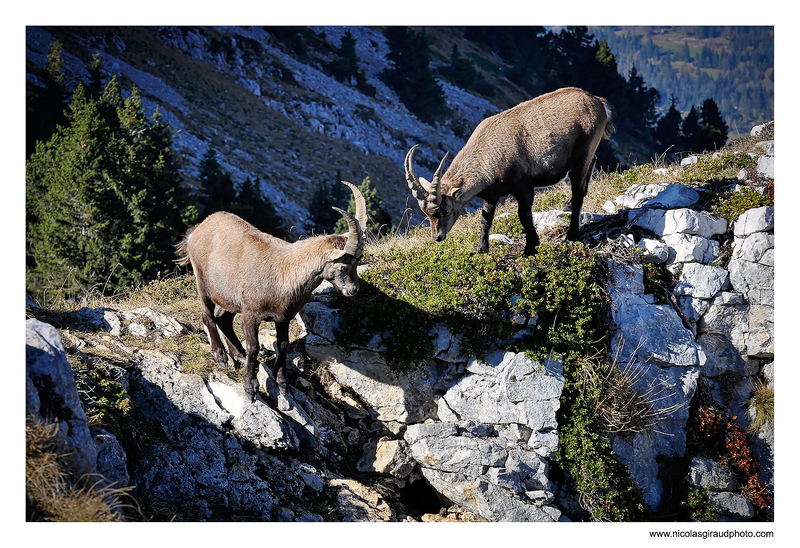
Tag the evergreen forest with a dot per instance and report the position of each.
(732, 65)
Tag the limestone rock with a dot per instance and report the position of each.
(760, 219)
(51, 395)
(707, 474)
(701, 281)
(732, 505)
(387, 456)
(357, 502)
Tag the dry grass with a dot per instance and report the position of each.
(761, 406)
(623, 408)
(52, 495)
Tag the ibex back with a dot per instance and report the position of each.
(535, 144)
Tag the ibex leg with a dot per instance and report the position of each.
(249, 378)
(211, 329)
(487, 216)
(224, 321)
(524, 210)
(281, 349)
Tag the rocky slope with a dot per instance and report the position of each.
(459, 439)
(271, 117)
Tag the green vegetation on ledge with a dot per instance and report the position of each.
(485, 298)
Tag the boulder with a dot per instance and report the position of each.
(645, 332)
(760, 219)
(707, 474)
(509, 388)
(701, 281)
(51, 395)
(678, 221)
(475, 468)
(732, 505)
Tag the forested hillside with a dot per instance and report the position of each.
(732, 65)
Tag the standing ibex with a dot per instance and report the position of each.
(242, 270)
(535, 144)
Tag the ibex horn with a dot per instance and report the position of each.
(413, 183)
(357, 225)
(436, 191)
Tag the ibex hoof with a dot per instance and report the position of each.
(251, 389)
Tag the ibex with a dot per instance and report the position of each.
(535, 144)
(241, 270)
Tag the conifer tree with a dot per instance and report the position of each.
(461, 71)
(258, 210)
(323, 218)
(410, 75)
(691, 130)
(713, 129)
(104, 200)
(344, 65)
(668, 128)
(94, 85)
(217, 184)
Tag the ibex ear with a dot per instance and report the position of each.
(457, 192)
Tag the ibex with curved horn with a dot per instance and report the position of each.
(241, 270)
(535, 144)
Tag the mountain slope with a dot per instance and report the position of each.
(270, 117)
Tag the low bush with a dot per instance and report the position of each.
(713, 434)
(732, 204)
(716, 168)
(559, 293)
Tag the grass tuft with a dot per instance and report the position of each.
(51, 494)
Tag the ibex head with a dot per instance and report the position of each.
(341, 271)
(442, 209)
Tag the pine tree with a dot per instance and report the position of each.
(713, 129)
(326, 196)
(344, 65)
(378, 220)
(104, 200)
(461, 71)
(691, 130)
(217, 184)
(410, 75)
(46, 109)
(66, 197)
(668, 128)
(94, 86)
(642, 100)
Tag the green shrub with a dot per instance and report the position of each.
(698, 506)
(509, 225)
(407, 293)
(716, 169)
(731, 205)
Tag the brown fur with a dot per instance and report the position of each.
(241, 270)
(535, 144)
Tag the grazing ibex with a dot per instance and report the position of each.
(535, 144)
(242, 270)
